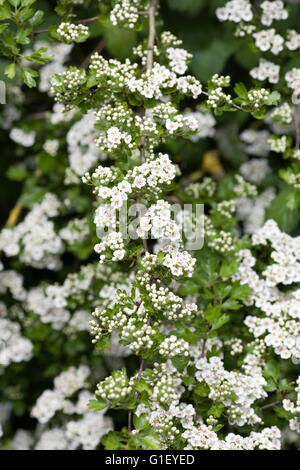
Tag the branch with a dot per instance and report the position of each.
(100, 46)
(271, 405)
(234, 105)
(14, 215)
(296, 122)
(87, 20)
(150, 47)
(152, 31)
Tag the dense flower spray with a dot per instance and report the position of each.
(187, 321)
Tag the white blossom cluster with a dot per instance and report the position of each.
(13, 346)
(114, 243)
(293, 408)
(283, 113)
(278, 144)
(292, 78)
(217, 97)
(61, 114)
(22, 440)
(205, 124)
(153, 83)
(115, 387)
(279, 326)
(84, 432)
(71, 79)
(52, 302)
(158, 220)
(258, 97)
(273, 10)
(10, 114)
(60, 53)
(255, 170)
(70, 32)
(13, 282)
(266, 70)
(149, 176)
(178, 59)
(256, 142)
(126, 12)
(266, 40)
(51, 146)
(21, 137)
(206, 187)
(173, 346)
(243, 188)
(293, 40)
(35, 238)
(220, 241)
(252, 211)
(50, 310)
(235, 390)
(65, 385)
(198, 435)
(236, 11)
(82, 150)
(203, 437)
(75, 231)
(180, 263)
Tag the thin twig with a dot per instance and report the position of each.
(233, 104)
(270, 405)
(14, 215)
(100, 46)
(296, 122)
(149, 65)
(87, 20)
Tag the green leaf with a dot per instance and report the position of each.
(5, 12)
(241, 292)
(188, 288)
(143, 386)
(228, 268)
(222, 290)
(201, 389)
(10, 70)
(220, 322)
(231, 304)
(98, 404)
(273, 98)
(22, 36)
(140, 422)
(212, 312)
(112, 441)
(241, 91)
(37, 18)
(28, 76)
(103, 343)
(180, 362)
(279, 211)
(216, 410)
(15, 3)
(16, 173)
(151, 442)
(3, 27)
(272, 370)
